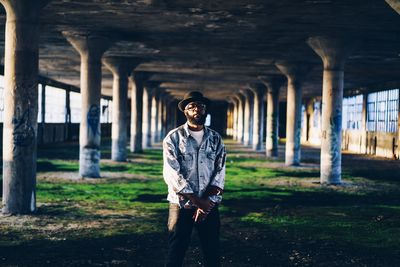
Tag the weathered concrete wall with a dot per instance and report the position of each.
(354, 141)
(382, 144)
(357, 141)
(373, 143)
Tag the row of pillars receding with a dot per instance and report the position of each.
(20, 118)
(246, 114)
(149, 106)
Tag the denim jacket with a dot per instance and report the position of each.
(189, 168)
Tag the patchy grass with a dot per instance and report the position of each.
(272, 215)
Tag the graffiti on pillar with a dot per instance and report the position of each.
(335, 134)
(23, 131)
(93, 119)
(297, 137)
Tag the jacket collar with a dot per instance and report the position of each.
(186, 132)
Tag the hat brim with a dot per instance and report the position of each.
(182, 104)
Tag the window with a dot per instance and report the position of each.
(383, 108)
(75, 106)
(352, 112)
(381, 111)
(371, 112)
(55, 102)
(392, 111)
(106, 111)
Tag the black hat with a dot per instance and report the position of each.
(193, 96)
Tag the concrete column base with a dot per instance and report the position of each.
(89, 163)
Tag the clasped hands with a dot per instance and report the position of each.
(204, 206)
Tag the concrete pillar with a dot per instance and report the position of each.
(230, 119)
(333, 53)
(160, 108)
(273, 84)
(235, 118)
(171, 113)
(121, 68)
(21, 105)
(241, 103)
(259, 111)
(174, 116)
(164, 120)
(67, 106)
(248, 120)
(364, 136)
(147, 104)
(91, 48)
(67, 126)
(136, 112)
(294, 74)
(168, 114)
(175, 111)
(43, 113)
(154, 116)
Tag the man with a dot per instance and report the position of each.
(194, 170)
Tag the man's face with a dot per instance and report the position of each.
(195, 113)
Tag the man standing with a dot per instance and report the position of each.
(194, 170)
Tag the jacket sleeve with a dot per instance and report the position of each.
(219, 171)
(171, 169)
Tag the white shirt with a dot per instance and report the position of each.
(197, 135)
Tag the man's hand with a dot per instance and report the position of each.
(199, 215)
(205, 204)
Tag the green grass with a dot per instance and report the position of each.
(271, 215)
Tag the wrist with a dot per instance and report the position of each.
(192, 197)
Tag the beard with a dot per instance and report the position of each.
(196, 119)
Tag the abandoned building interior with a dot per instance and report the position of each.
(324, 73)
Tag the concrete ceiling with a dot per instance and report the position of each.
(222, 46)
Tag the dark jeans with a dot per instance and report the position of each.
(180, 225)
